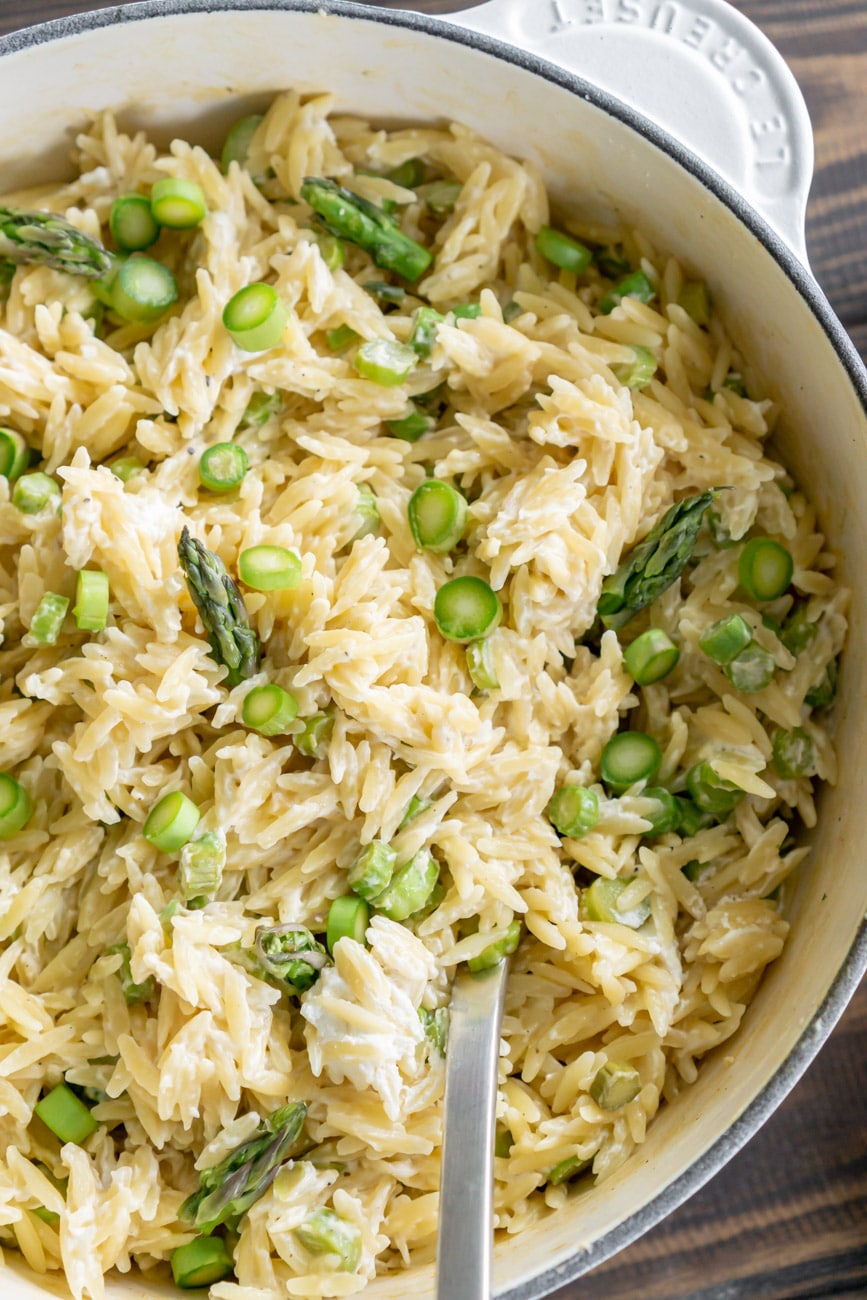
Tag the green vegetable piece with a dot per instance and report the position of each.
(45, 239)
(222, 467)
(410, 888)
(824, 693)
(354, 219)
(7, 275)
(140, 290)
(724, 640)
(735, 384)
(650, 657)
(414, 808)
(481, 666)
(629, 757)
(751, 670)
(269, 568)
(634, 285)
(436, 1027)
(178, 203)
(126, 467)
(348, 918)
(441, 197)
(615, 1085)
(797, 632)
(332, 250)
(260, 409)
(467, 311)
(200, 869)
(256, 317)
(719, 534)
(466, 609)
(612, 261)
(325, 1233)
(389, 294)
(411, 427)
(290, 956)
(134, 993)
(693, 870)
(655, 563)
(691, 818)
(132, 224)
(563, 250)
(710, 793)
(237, 143)
(573, 811)
(638, 372)
(568, 1169)
(228, 1189)
(385, 362)
(47, 621)
(221, 608)
(495, 952)
(91, 600)
(765, 568)
(407, 174)
(424, 331)
(171, 822)
(340, 338)
(599, 903)
(366, 512)
(47, 1216)
(794, 753)
(512, 311)
(372, 870)
(201, 1263)
(66, 1115)
(665, 817)
(33, 492)
(503, 1143)
(16, 807)
(313, 741)
(437, 516)
(695, 301)
(269, 709)
(14, 454)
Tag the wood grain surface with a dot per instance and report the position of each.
(787, 1218)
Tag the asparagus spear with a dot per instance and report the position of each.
(222, 610)
(352, 218)
(227, 1190)
(50, 240)
(655, 562)
(290, 956)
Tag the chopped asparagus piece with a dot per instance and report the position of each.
(45, 239)
(355, 219)
(221, 608)
(599, 903)
(655, 563)
(290, 956)
(615, 1084)
(228, 1189)
(410, 887)
(325, 1233)
(436, 1027)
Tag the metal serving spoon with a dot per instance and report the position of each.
(465, 1243)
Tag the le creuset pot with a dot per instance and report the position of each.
(675, 115)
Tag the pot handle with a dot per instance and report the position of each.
(699, 69)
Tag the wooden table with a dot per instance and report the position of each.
(787, 1217)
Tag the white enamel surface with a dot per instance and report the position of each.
(596, 164)
(699, 68)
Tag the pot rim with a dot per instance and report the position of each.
(854, 964)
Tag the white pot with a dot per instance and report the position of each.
(706, 74)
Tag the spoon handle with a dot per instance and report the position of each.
(465, 1240)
